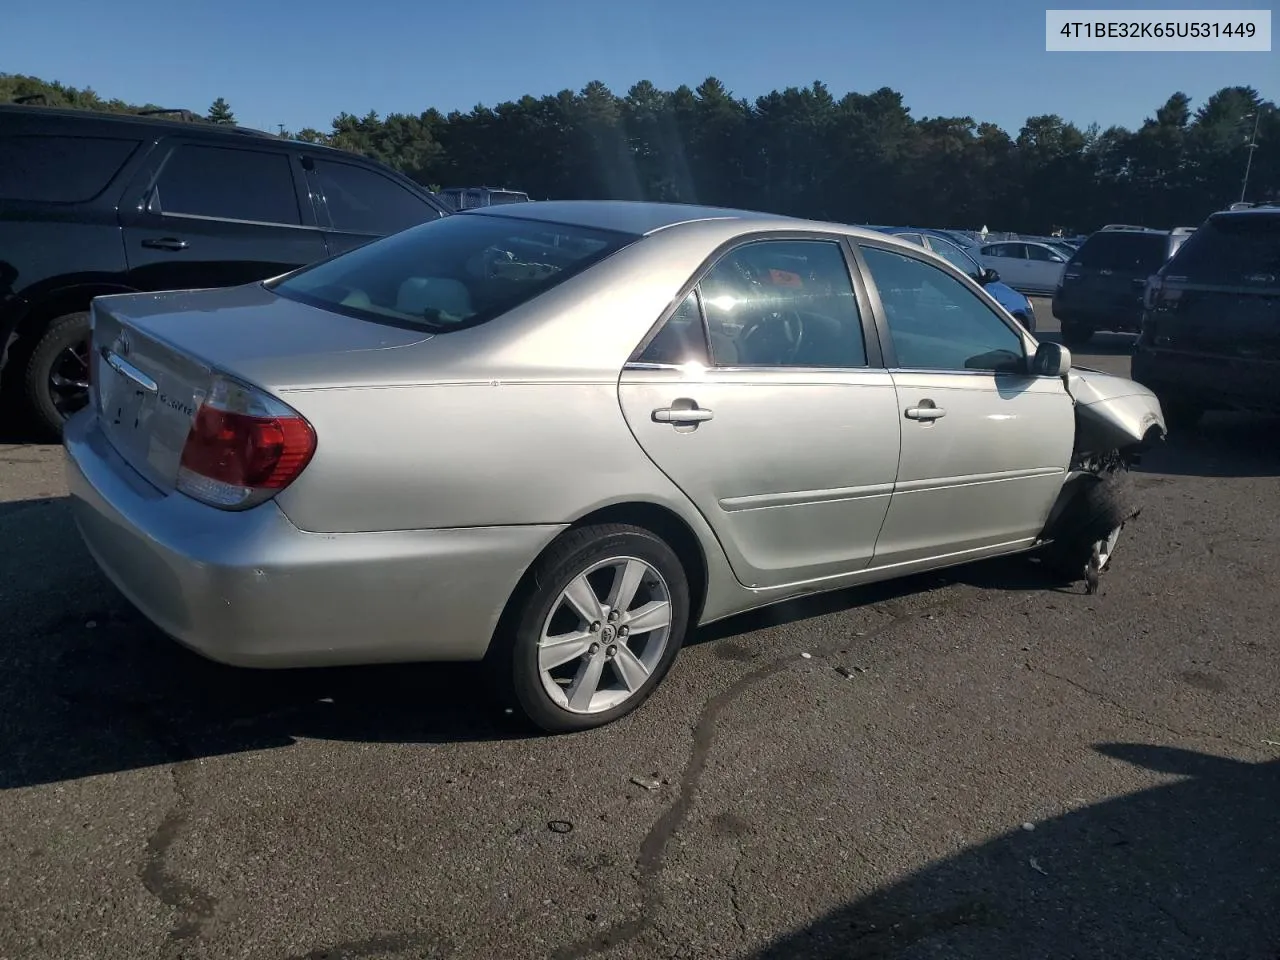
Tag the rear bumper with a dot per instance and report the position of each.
(1212, 381)
(251, 589)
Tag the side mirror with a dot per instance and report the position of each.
(987, 275)
(1051, 360)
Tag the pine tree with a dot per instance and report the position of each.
(220, 112)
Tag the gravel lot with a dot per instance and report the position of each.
(1014, 770)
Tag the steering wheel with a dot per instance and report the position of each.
(778, 334)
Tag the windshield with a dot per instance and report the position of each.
(456, 272)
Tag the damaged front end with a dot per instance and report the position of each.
(1117, 420)
(1114, 415)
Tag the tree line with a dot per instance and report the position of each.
(860, 158)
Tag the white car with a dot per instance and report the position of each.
(1025, 265)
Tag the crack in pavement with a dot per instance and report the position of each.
(192, 906)
(1136, 717)
(733, 896)
(653, 848)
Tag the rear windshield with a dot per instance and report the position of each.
(455, 272)
(1116, 250)
(59, 169)
(1231, 250)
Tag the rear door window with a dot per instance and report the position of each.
(228, 184)
(1119, 250)
(364, 201)
(1237, 250)
(49, 169)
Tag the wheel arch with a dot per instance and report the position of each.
(60, 301)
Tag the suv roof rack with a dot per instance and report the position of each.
(1123, 226)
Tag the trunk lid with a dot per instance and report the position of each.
(155, 357)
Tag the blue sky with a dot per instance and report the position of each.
(301, 64)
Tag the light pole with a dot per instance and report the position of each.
(1253, 145)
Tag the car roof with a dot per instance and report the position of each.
(642, 217)
(157, 126)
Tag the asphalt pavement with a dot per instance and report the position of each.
(1005, 767)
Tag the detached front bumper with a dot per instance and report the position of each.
(251, 589)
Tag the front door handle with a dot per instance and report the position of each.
(165, 243)
(927, 411)
(682, 411)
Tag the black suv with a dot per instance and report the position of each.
(96, 203)
(1211, 332)
(1102, 284)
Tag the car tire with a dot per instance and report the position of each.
(1181, 414)
(1092, 521)
(1075, 334)
(625, 667)
(60, 338)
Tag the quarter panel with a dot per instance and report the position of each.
(467, 454)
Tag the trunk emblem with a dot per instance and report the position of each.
(1261, 278)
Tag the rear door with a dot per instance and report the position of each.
(357, 204)
(212, 215)
(1009, 260)
(1219, 303)
(762, 397)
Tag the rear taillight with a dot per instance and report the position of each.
(243, 448)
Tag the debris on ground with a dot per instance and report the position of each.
(1037, 868)
(849, 672)
(649, 783)
(560, 826)
(807, 656)
(1028, 826)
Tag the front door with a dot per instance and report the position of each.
(985, 446)
(216, 216)
(757, 399)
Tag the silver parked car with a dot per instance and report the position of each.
(1027, 266)
(557, 436)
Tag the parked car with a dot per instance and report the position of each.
(96, 203)
(377, 457)
(1102, 285)
(1016, 303)
(1211, 330)
(1027, 266)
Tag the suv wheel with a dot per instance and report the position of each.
(57, 375)
(1076, 334)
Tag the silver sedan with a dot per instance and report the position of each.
(558, 436)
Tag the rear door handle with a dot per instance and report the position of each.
(682, 411)
(927, 411)
(165, 243)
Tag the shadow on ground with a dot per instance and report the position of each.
(1221, 445)
(1190, 868)
(90, 687)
